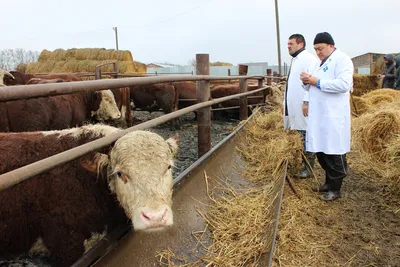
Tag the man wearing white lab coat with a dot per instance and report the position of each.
(296, 97)
(329, 84)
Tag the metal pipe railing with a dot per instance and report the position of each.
(43, 90)
(19, 175)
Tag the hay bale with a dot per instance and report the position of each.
(381, 96)
(84, 60)
(219, 63)
(363, 84)
(372, 132)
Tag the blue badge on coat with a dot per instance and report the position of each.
(326, 68)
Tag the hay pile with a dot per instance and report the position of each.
(363, 84)
(219, 63)
(376, 139)
(83, 60)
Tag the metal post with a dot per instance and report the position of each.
(269, 74)
(243, 109)
(203, 114)
(116, 36)
(229, 74)
(278, 36)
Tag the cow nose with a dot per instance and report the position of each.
(153, 219)
(118, 115)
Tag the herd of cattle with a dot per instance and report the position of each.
(56, 213)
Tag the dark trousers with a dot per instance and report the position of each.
(335, 167)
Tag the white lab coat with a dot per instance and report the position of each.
(328, 128)
(295, 93)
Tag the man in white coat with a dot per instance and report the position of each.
(328, 130)
(295, 100)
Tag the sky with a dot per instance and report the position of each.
(174, 31)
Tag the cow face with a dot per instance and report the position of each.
(140, 174)
(107, 109)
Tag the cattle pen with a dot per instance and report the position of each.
(189, 179)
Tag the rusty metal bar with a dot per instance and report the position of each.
(14, 177)
(203, 114)
(243, 110)
(236, 107)
(265, 93)
(42, 90)
(283, 178)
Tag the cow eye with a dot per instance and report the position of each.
(119, 174)
(169, 167)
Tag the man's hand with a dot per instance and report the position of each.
(305, 109)
(309, 79)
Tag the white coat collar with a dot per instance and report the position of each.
(331, 57)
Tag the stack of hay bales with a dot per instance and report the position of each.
(83, 60)
(363, 84)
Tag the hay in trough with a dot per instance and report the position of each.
(83, 60)
(266, 144)
(239, 220)
(275, 97)
(363, 84)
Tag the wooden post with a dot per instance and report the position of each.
(203, 114)
(243, 109)
(243, 69)
(265, 92)
(229, 74)
(269, 74)
(275, 74)
(97, 73)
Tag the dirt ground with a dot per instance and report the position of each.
(360, 229)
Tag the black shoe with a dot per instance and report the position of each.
(303, 174)
(322, 189)
(330, 196)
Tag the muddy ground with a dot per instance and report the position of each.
(187, 153)
(362, 228)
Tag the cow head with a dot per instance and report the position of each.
(5, 76)
(104, 107)
(139, 169)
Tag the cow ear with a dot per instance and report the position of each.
(94, 162)
(173, 143)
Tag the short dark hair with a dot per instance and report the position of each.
(299, 38)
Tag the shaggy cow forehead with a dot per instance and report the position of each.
(140, 144)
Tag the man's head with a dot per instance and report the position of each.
(324, 45)
(295, 43)
(388, 59)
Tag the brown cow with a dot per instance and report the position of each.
(63, 207)
(152, 97)
(232, 89)
(23, 78)
(57, 112)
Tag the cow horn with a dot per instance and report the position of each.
(4, 72)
